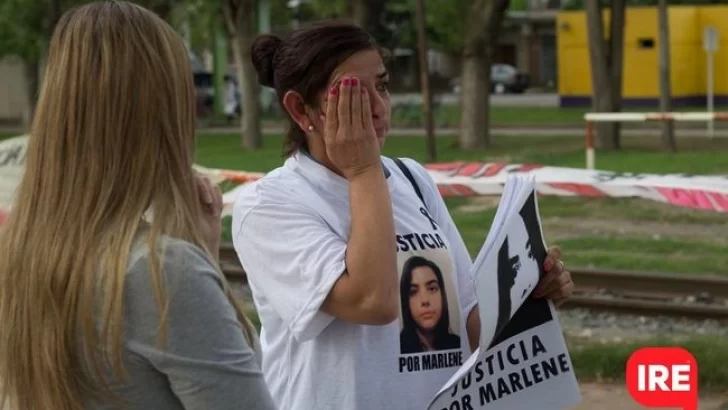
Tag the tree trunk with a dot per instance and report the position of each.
(481, 40)
(239, 17)
(425, 82)
(474, 97)
(616, 64)
(249, 90)
(601, 87)
(668, 130)
(358, 12)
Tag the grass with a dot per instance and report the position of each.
(613, 248)
(607, 362)
(563, 217)
(698, 156)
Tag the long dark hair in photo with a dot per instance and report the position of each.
(442, 337)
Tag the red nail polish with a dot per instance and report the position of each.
(333, 90)
(354, 81)
(345, 82)
(547, 265)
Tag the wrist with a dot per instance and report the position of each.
(373, 172)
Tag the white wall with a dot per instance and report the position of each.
(13, 95)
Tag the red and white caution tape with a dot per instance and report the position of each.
(705, 192)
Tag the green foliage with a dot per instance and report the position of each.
(446, 22)
(201, 17)
(519, 5)
(280, 15)
(327, 8)
(396, 22)
(26, 25)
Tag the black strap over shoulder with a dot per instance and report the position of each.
(411, 178)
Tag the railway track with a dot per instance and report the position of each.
(650, 294)
(647, 294)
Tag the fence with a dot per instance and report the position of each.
(594, 117)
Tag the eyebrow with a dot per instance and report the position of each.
(382, 75)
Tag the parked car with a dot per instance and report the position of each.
(205, 89)
(504, 78)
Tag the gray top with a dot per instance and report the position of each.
(207, 363)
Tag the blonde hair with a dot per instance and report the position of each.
(112, 140)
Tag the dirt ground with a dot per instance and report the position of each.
(610, 397)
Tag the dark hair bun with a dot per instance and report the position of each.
(263, 52)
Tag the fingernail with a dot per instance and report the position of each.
(345, 82)
(333, 90)
(354, 81)
(548, 264)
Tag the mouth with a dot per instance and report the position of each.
(428, 315)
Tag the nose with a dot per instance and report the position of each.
(378, 106)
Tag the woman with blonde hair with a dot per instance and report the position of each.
(110, 291)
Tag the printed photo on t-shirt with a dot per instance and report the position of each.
(429, 309)
(431, 333)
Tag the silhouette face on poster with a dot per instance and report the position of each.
(520, 260)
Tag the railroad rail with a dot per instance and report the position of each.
(648, 294)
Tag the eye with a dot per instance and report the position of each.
(383, 86)
(516, 263)
(529, 248)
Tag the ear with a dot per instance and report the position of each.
(296, 108)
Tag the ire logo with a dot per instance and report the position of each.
(663, 377)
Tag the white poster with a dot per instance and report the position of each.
(523, 361)
(12, 165)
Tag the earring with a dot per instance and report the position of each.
(310, 127)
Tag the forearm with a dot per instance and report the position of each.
(472, 324)
(371, 250)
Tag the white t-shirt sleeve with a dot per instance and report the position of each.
(458, 250)
(291, 256)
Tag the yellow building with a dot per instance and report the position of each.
(640, 86)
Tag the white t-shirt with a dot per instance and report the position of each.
(290, 230)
